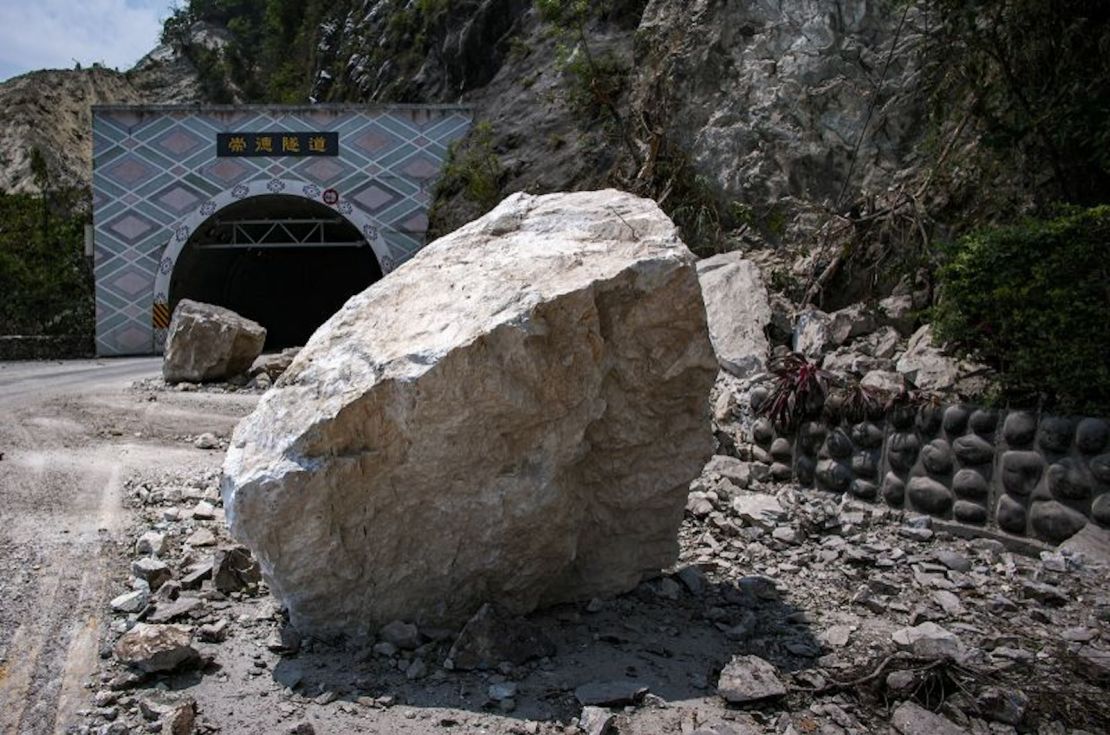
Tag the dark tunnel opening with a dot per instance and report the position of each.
(285, 262)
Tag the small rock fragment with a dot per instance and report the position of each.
(153, 648)
(235, 569)
(402, 635)
(928, 640)
(912, 719)
(749, 679)
(595, 720)
(153, 571)
(615, 693)
(151, 542)
(491, 637)
(1002, 705)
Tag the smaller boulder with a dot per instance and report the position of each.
(738, 311)
(899, 313)
(851, 322)
(209, 343)
(929, 368)
(813, 334)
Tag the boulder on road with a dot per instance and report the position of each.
(738, 309)
(207, 343)
(514, 416)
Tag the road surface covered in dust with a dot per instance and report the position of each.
(70, 433)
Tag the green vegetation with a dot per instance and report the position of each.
(1035, 78)
(473, 171)
(44, 277)
(273, 50)
(1033, 301)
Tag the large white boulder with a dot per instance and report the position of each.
(511, 417)
(739, 311)
(207, 343)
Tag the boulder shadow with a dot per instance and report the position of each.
(663, 640)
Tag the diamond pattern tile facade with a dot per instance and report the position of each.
(156, 179)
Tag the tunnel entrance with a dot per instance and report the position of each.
(286, 262)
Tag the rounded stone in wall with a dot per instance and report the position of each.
(1091, 435)
(937, 457)
(1100, 510)
(1067, 479)
(758, 397)
(837, 445)
(1055, 522)
(1100, 467)
(1021, 471)
(902, 451)
(929, 496)
(832, 475)
(864, 490)
(804, 470)
(867, 435)
(763, 431)
(1055, 434)
(967, 512)
(1010, 515)
(929, 419)
(893, 489)
(781, 449)
(1019, 429)
(955, 419)
(970, 484)
(972, 449)
(810, 436)
(781, 471)
(902, 417)
(984, 421)
(864, 464)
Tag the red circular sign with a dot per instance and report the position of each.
(331, 197)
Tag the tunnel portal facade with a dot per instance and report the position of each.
(280, 213)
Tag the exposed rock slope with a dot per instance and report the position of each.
(52, 110)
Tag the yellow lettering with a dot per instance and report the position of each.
(290, 144)
(318, 144)
(264, 144)
(238, 144)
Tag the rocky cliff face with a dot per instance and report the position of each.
(770, 112)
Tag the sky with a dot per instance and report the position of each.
(54, 34)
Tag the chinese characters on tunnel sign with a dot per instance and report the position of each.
(254, 145)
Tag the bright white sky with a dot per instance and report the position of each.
(53, 34)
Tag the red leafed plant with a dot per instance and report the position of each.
(800, 390)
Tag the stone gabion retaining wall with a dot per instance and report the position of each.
(1044, 477)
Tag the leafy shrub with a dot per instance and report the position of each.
(1033, 301)
(473, 170)
(1039, 76)
(799, 391)
(45, 281)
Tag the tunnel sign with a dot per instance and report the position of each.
(274, 144)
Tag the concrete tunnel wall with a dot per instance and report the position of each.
(157, 178)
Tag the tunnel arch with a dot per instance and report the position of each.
(183, 235)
